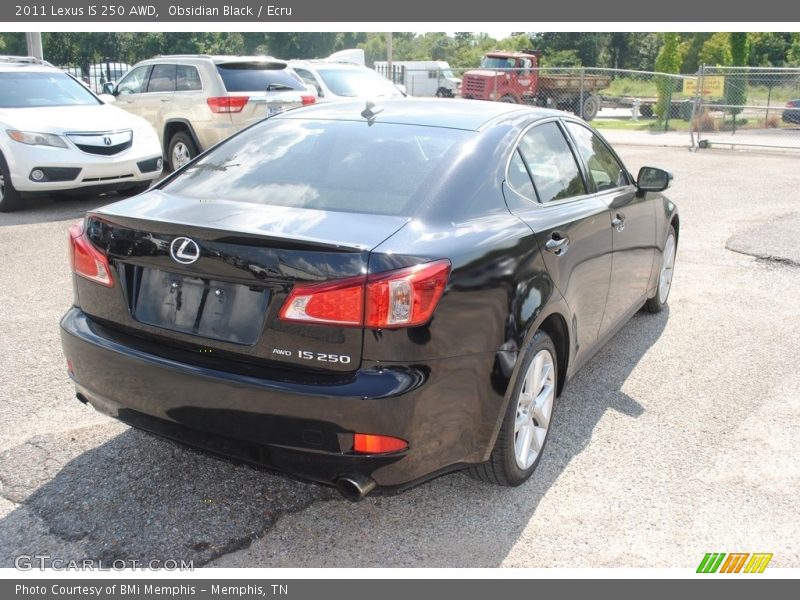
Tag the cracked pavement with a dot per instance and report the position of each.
(681, 436)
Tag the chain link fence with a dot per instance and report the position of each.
(747, 106)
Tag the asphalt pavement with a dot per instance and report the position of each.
(680, 437)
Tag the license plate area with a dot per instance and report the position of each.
(217, 310)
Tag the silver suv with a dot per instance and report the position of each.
(194, 101)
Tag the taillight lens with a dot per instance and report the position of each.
(368, 443)
(402, 298)
(86, 260)
(227, 104)
(308, 100)
(338, 302)
(407, 297)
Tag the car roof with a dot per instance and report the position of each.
(8, 66)
(215, 58)
(450, 113)
(322, 64)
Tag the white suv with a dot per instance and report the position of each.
(195, 101)
(57, 136)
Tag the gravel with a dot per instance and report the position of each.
(679, 438)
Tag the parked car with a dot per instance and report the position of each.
(195, 101)
(336, 81)
(56, 136)
(369, 294)
(791, 114)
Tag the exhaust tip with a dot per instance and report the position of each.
(355, 487)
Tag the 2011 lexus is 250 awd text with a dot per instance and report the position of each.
(367, 295)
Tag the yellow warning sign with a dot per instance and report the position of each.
(712, 86)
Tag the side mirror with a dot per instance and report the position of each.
(314, 89)
(108, 88)
(651, 179)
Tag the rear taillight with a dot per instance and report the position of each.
(227, 104)
(369, 443)
(86, 260)
(402, 298)
(308, 100)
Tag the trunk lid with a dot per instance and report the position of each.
(212, 276)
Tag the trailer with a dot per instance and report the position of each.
(422, 77)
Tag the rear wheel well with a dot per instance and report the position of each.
(556, 327)
(171, 129)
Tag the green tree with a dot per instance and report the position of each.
(716, 50)
(667, 61)
(736, 81)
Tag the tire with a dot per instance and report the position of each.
(509, 99)
(181, 150)
(658, 301)
(10, 198)
(135, 190)
(591, 106)
(509, 465)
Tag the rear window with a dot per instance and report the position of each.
(252, 77)
(28, 89)
(344, 166)
(358, 83)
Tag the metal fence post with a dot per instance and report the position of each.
(579, 112)
(695, 105)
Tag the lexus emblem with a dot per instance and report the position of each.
(184, 250)
(107, 141)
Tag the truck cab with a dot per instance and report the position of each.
(504, 76)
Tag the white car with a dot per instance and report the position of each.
(56, 136)
(344, 81)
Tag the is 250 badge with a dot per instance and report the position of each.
(315, 356)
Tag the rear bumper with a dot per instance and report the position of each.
(446, 410)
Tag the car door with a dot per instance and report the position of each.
(571, 226)
(633, 220)
(131, 88)
(158, 97)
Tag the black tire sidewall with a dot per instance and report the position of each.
(184, 137)
(517, 476)
(11, 197)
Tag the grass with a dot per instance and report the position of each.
(640, 125)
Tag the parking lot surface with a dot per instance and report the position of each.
(680, 437)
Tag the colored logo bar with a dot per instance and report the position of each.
(735, 562)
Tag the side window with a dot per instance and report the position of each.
(162, 79)
(604, 169)
(519, 178)
(526, 67)
(187, 79)
(552, 164)
(306, 76)
(135, 81)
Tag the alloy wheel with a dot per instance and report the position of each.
(667, 265)
(534, 409)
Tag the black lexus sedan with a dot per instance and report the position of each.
(368, 295)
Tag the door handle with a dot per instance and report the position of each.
(164, 99)
(557, 245)
(618, 222)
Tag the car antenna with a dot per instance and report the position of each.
(371, 111)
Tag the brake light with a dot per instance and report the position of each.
(227, 104)
(368, 443)
(402, 298)
(86, 260)
(340, 302)
(308, 100)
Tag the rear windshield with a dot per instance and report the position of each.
(358, 83)
(25, 89)
(346, 166)
(252, 77)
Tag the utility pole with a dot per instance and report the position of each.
(34, 41)
(389, 69)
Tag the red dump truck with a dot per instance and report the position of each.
(515, 77)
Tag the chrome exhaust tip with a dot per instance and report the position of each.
(355, 487)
